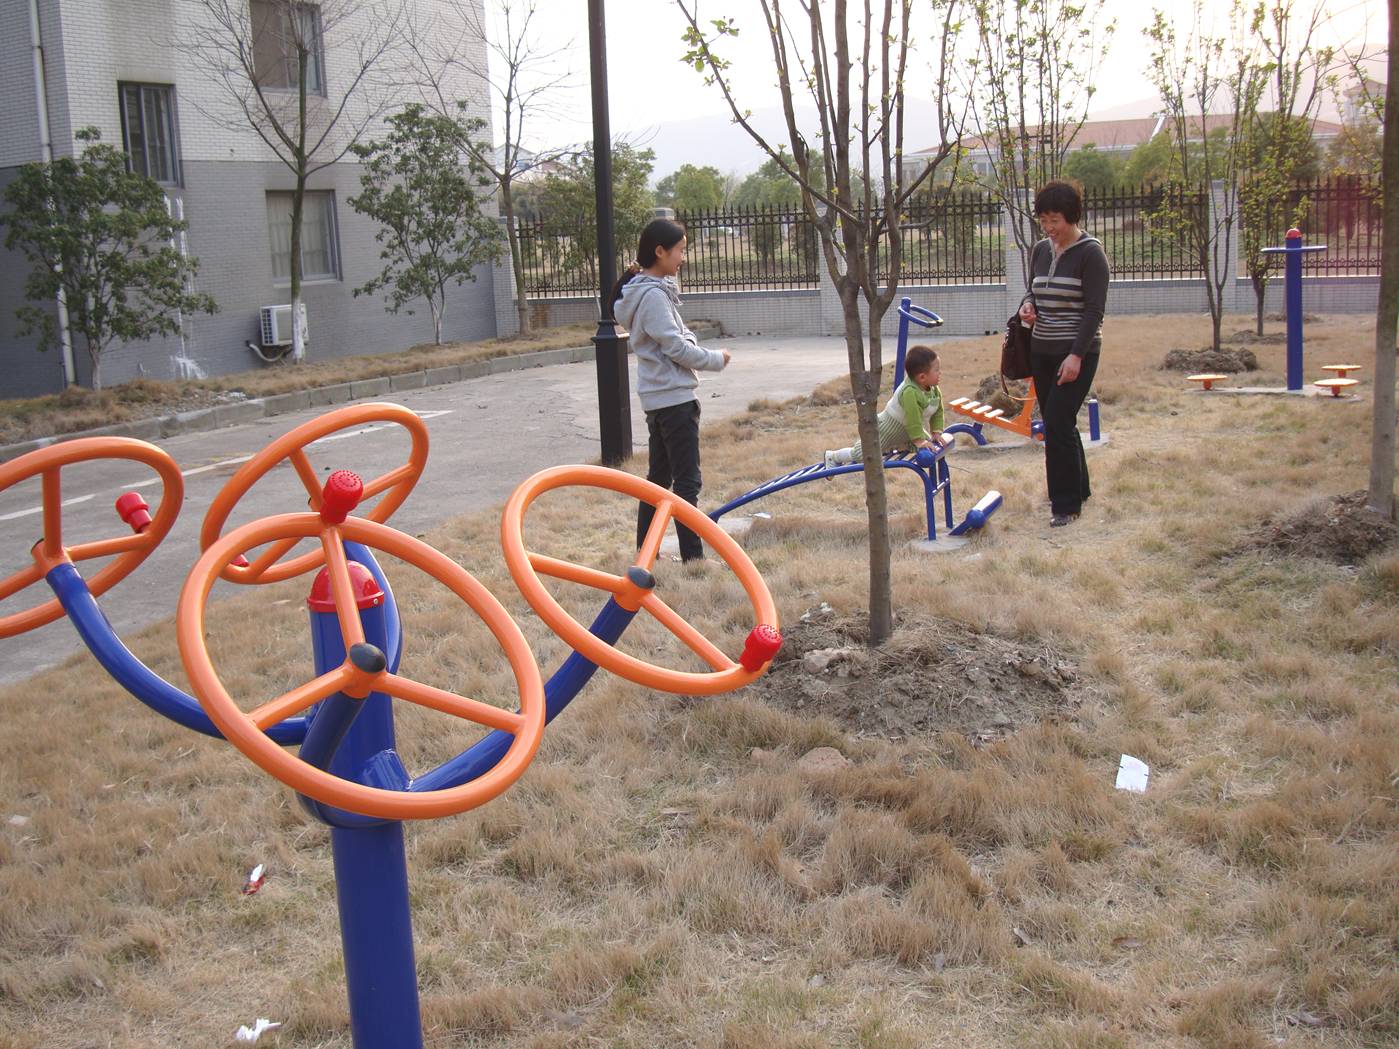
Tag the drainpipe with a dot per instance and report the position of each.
(65, 337)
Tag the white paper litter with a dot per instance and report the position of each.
(251, 1034)
(1132, 774)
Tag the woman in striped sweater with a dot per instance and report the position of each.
(1065, 304)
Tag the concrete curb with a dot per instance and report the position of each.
(235, 413)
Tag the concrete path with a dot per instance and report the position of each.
(487, 435)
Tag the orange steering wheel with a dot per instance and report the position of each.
(49, 552)
(526, 567)
(357, 676)
(291, 446)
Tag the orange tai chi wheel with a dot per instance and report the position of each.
(130, 550)
(246, 731)
(526, 567)
(291, 446)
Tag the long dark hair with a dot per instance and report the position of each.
(659, 233)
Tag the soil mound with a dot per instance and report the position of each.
(1248, 335)
(1223, 359)
(932, 675)
(1339, 528)
(990, 392)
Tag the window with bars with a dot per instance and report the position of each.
(282, 30)
(148, 131)
(320, 255)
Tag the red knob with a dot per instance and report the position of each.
(343, 490)
(761, 646)
(1294, 233)
(134, 510)
(362, 584)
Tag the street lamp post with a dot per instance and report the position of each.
(613, 383)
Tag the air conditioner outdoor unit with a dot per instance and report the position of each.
(276, 325)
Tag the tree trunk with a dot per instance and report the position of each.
(298, 344)
(1382, 468)
(437, 310)
(517, 264)
(1260, 293)
(864, 384)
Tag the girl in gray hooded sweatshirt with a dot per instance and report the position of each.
(646, 301)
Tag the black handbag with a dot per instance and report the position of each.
(1015, 350)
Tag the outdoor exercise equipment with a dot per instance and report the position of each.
(348, 772)
(1207, 379)
(1292, 252)
(929, 465)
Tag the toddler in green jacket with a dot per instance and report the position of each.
(913, 418)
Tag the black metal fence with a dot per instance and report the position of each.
(1343, 214)
(959, 238)
(1136, 229)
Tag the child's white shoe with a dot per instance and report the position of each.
(831, 460)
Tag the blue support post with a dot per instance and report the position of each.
(1095, 430)
(350, 738)
(1292, 292)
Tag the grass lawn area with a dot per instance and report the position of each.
(671, 872)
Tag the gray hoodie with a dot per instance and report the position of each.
(667, 352)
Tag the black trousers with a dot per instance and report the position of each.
(675, 464)
(1065, 468)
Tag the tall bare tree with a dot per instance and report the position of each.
(1296, 70)
(1032, 75)
(309, 79)
(852, 64)
(1202, 73)
(526, 81)
(1381, 492)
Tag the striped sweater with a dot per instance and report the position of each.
(1070, 293)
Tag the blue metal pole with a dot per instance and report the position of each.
(371, 868)
(1094, 428)
(904, 304)
(1293, 286)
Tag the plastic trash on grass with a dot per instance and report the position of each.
(256, 877)
(249, 1035)
(1132, 774)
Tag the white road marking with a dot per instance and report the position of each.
(227, 462)
(40, 509)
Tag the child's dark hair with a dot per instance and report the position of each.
(919, 359)
(659, 233)
(1061, 196)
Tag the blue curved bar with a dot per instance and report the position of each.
(150, 688)
(559, 691)
(972, 430)
(909, 312)
(924, 463)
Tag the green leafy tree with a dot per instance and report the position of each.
(105, 237)
(665, 192)
(1279, 150)
(698, 189)
(1199, 73)
(568, 200)
(1093, 169)
(1150, 163)
(424, 187)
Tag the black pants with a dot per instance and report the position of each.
(675, 464)
(1065, 468)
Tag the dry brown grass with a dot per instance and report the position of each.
(77, 408)
(655, 880)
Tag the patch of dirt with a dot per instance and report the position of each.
(1207, 359)
(1339, 528)
(990, 392)
(1248, 335)
(932, 675)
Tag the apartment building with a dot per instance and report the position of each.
(117, 65)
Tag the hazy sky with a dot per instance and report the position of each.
(648, 85)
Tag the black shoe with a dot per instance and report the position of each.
(1060, 520)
